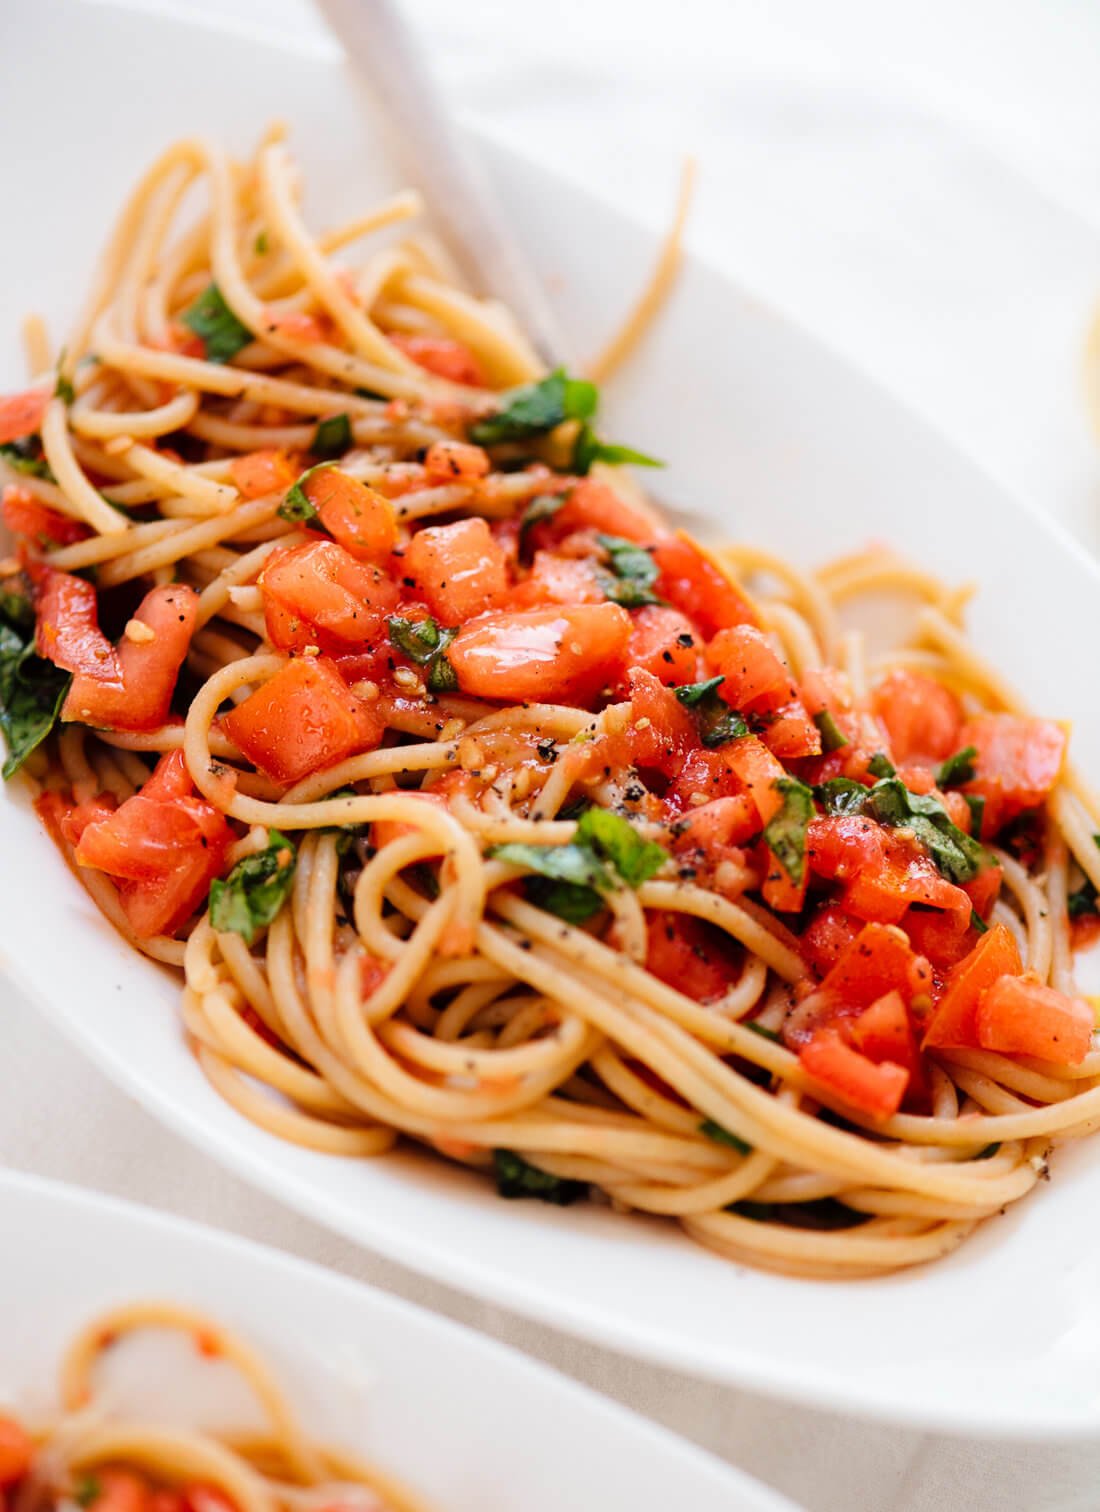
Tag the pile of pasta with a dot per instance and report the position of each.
(359, 682)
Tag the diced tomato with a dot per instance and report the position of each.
(383, 831)
(68, 632)
(16, 1451)
(164, 846)
(842, 845)
(984, 890)
(958, 810)
(319, 595)
(296, 325)
(39, 525)
(461, 569)
(690, 956)
(139, 695)
(757, 770)
(664, 642)
(21, 414)
(792, 734)
(303, 719)
(753, 677)
(455, 461)
(556, 579)
(922, 717)
(905, 876)
(440, 355)
(702, 773)
(884, 1032)
(1018, 1016)
(826, 936)
(592, 505)
(74, 821)
(121, 1490)
(201, 1497)
(358, 517)
(1019, 761)
(262, 472)
(943, 937)
(662, 731)
(692, 582)
(826, 689)
(566, 654)
(780, 890)
(712, 827)
(954, 1024)
(878, 960)
(161, 1499)
(872, 1088)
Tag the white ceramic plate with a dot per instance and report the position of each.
(771, 438)
(472, 1426)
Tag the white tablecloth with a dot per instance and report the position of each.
(919, 185)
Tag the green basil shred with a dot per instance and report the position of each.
(722, 1135)
(832, 737)
(32, 689)
(296, 506)
(255, 890)
(332, 438)
(425, 642)
(219, 330)
(537, 408)
(718, 723)
(957, 769)
(570, 880)
(516, 1177)
(785, 832)
(632, 573)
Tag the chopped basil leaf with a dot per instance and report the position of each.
(615, 838)
(16, 608)
(25, 456)
(841, 795)
(424, 642)
(975, 802)
(977, 922)
(516, 1177)
(565, 900)
(574, 863)
(32, 691)
(64, 390)
(260, 245)
(988, 1152)
(832, 738)
(957, 769)
(296, 505)
(718, 723)
(1083, 901)
(633, 573)
(956, 854)
(86, 1490)
(765, 1033)
(880, 766)
(332, 438)
(537, 408)
(211, 319)
(822, 1213)
(588, 448)
(785, 832)
(721, 1135)
(255, 890)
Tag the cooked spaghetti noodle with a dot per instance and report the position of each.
(88, 1456)
(476, 807)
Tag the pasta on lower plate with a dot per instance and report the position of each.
(86, 1455)
(474, 806)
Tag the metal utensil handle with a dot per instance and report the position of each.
(433, 152)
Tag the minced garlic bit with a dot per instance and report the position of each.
(366, 690)
(471, 755)
(141, 634)
(452, 729)
(311, 650)
(643, 723)
(576, 648)
(406, 679)
(697, 799)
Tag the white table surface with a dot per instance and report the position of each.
(920, 185)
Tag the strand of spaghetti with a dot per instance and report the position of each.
(174, 414)
(58, 451)
(173, 1455)
(181, 543)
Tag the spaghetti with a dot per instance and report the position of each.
(474, 806)
(89, 1457)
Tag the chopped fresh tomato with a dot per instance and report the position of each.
(591, 505)
(984, 890)
(36, 523)
(954, 1025)
(904, 876)
(262, 472)
(200, 1497)
(712, 827)
(663, 641)
(440, 355)
(690, 956)
(871, 1088)
(461, 569)
(662, 731)
(1019, 761)
(757, 770)
(21, 414)
(878, 960)
(164, 846)
(826, 689)
(753, 677)
(792, 734)
(779, 888)
(555, 579)
(1019, 1016)
(128, 687)
(121, 1490)
(319, 595)
(16, 1451)
(296, 325)
(826, 936)
(305, 718)
(922, 717)
(943, 937)
(538, 655)
(884, 1032)
(358, 517)
(691, 581)
(454, 462)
